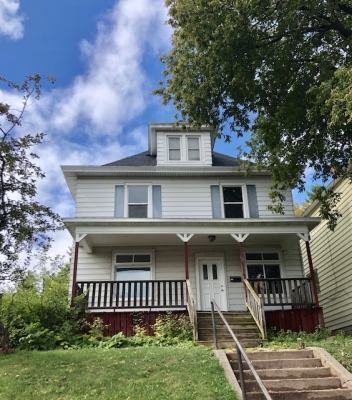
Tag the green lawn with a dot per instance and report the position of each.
(128, 374)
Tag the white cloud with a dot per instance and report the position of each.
(91, 120)
(115, 88)
(11, 22)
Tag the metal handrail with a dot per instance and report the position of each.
(192, 310)
(256, 307)
(240, 353)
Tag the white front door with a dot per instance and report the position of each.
(212, 283)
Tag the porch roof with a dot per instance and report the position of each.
(129, 232)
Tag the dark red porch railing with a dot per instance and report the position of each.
(295, 292)
(133, 294)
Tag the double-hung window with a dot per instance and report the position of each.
(233, 201)
(138, 200)
(174, 148)
(134, 200)
(193, 150)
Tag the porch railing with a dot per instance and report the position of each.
(192, 310)
(295, 292)
(133, 294)
(256, 307)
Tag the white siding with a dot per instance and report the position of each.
(181, 197)
(331, 254)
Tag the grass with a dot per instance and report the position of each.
(130, 374)
(339, 346)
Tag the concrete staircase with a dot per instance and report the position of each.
(295, 375)
(242, 324)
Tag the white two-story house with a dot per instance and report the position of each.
(179, 225)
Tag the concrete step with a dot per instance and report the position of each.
(334, 394)
(288, 385)
(280, 354)
(279, 364)
(222, 334)
(229, 344)
(287, 373)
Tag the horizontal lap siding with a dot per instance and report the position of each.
(95, 198)
(332, 258)
(181, 197)
(293, 262)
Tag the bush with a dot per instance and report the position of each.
(173, 325)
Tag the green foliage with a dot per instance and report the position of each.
(292, 338)
(287, 63)
(171, 325)
(24, 223)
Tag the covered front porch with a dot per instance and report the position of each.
(253, 264)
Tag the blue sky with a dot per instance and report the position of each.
(105, 58)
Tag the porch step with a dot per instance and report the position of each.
(293, 375)
(241, 323)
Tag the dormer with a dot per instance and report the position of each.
(181, 146)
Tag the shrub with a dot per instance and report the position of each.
(172, 325)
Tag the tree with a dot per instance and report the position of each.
(288, 63)
(24, 222)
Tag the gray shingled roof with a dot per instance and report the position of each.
(145, 160)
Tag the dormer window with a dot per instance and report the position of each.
(175, 148)
(184, 148)
(193, 152)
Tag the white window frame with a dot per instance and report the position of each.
(184, 148)
(150, 198)
(243, 186)
(280, 261)
(150, 264)
(188, 149)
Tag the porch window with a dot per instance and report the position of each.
(233, 201)
(264, 266)
(133, 267)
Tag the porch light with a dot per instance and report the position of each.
(211, 238)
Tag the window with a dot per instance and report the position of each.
(175, 148)
(132, 267)
(264, 266)
(233, 201)
(138, 201)
(184, 148)
(193, 153)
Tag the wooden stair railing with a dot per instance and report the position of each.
(192, 309)
(255, 306)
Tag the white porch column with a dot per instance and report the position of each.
(79, 238)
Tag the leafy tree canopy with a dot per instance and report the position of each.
(24, 222)
(286, 61)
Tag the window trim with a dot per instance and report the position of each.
(184, 148)
(244, 198)
(280, 261)
(150, 198)
(151, 264)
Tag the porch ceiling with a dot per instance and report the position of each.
(111, 240)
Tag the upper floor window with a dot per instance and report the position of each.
(193, 150)
(233, 201)
(175, 148)
(184, 148)
(138, 199)
(133, 200)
